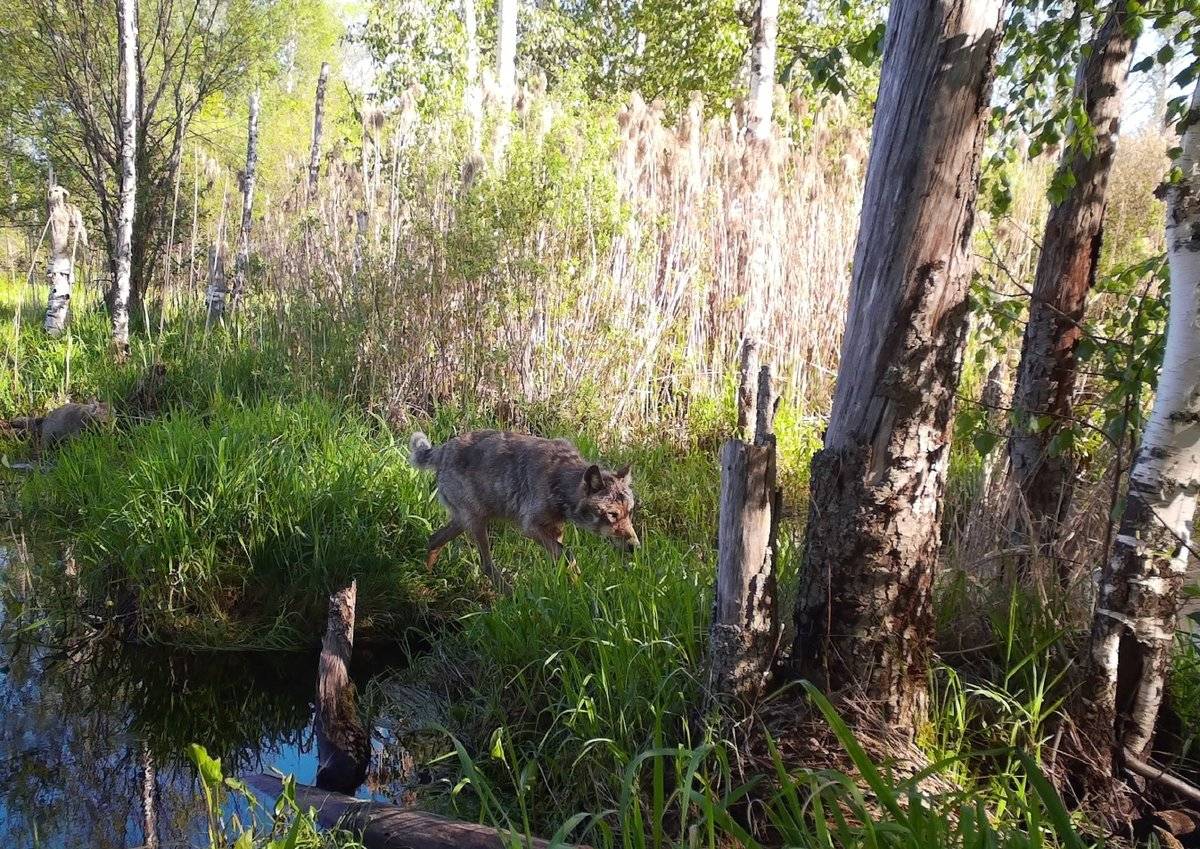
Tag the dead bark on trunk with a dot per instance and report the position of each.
(1140, 588)
(747, 391)
(314, 158)
(745, 628)
(343, 745)
(242, 263)
(1042, 401)
(127, 32)
(864, 615)
(66, 233)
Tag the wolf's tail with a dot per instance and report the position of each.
(421, 453)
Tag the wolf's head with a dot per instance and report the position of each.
(607, 506)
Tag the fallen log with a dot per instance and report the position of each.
(382, 826)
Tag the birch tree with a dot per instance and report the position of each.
(473, 93)
(762, 69)
(864, 615)
(1140, 586)
(127, 34)
(195, 51)
(761, 253)
(242, 262)
(314, 158)
(506, 76)
(1066, 270)
(66, 230)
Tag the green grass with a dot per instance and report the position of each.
(231, 528)
(575, 706)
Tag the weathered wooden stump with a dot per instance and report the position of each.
(343, 745)
(745, 628)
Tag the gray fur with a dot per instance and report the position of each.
(536, 484)
(63, 422)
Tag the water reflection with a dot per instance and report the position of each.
(90, 728)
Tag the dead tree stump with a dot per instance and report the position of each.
(745, 627)
(343, 745)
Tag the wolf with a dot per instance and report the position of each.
(63, 422)
(536, 484)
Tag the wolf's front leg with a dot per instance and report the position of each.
(551, 539)
(479, 532)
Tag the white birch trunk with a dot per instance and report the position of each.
(242, 263)
(762, 69)
(506, 76)
(149, 771)
(127, 33)
(864, 616)
(1140, 585)
(314, 158)
(473, 94)
(214, 296)
(66, 231)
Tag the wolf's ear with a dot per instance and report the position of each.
(592, 479)
(624, 473)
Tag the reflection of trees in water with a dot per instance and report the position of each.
(78, 726)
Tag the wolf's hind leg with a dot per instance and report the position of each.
(438, 540)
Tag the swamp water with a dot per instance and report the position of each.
(88, 729)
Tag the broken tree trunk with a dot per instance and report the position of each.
(1133, 626)
(745, 627)
(314, 158)
(1042, 400)
(130, 85)
(66, 232)
(242, 263)
(747, 390)
(864, 615)
(343, 745)
(381, 826)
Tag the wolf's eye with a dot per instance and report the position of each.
(611, 517)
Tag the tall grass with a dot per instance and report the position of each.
(601, 271)
(671, 797)
(230, 528)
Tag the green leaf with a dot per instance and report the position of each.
(209, 767)
(985, 441)
(1059, 818)
(498, 744)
